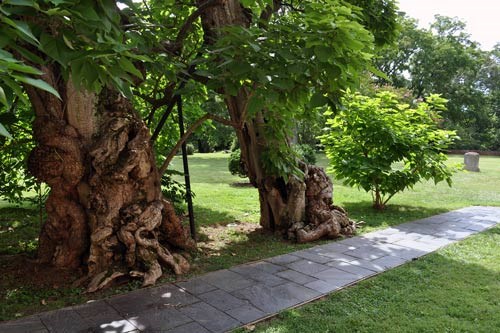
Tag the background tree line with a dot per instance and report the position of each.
(443, 59)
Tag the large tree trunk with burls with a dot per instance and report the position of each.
(302, 209)
(105, 211)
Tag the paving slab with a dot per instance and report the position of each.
(322, 286)
(65, 320)
(337, 256)
(94, 308)
(357, 242)
(313, 255)
(418, 245)
(24, 325)
(246, 313)
(164, 296)
(283, 259)
(274, 299)
(267, 299)
(192, 327)
(388, 262)
(196, 286)
(332, 247)
(227, 280)
(365, 264)
(266, 267)
(209, 317)
(159, 319)
(357, 270)
(369, 252)
(295, 276)
(336, 276)
(223, 300)
(258, 275)
(307, 267)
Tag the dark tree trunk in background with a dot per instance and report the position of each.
(105, 211)
(300, 208)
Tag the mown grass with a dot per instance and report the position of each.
(456, 289)
(218, 201)
(221, 202)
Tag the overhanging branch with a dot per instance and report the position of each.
(188, 133)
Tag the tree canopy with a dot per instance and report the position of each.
(444, 59)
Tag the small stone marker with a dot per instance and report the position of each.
(471, 161)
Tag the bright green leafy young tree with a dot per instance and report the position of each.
(385, 146)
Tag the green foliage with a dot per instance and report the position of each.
(443, 59)
(14, 177)
(236, 165)
(174, 190)
(385, 147)
(305, 153)
(190, 149)
(299, 61)
(83, 37)
(210, 136)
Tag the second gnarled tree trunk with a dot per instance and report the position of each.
(299, 208)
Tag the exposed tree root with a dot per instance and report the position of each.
(323, 219)
(130, 223)
(105, 210)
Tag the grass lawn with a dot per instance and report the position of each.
(456, 289)
(218, 201)
(227, 214)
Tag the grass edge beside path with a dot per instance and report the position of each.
(455, 289)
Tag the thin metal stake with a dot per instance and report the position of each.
(189, 199)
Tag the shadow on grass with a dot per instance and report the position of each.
(206, 217)
(19, 229)
(242, 183)
(392, 215)
(227, 242)
(461, 295)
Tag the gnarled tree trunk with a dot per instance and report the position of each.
(105, 210)
(299, 208)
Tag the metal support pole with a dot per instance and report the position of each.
(189, 199)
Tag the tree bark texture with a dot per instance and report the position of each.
(302, 209)
(105, 211)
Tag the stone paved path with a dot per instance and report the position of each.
(223, 300)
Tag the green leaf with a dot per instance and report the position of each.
(318, 99)
(6, 56)
(23, 68)
(40, 84)
(28, 3)
(255, 47)
(255, 105)
(4, 132)
(283, 83)
(323, 53)
(3, 97)
(67, 42)
(27, 54)
(16, 88)
(55, 48)
(23, 28)
(129, 67)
